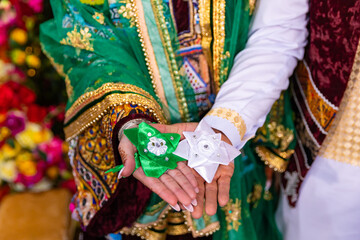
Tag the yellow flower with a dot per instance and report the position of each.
(8, 171)
(33, 61)
(18, 56)
(9, 152)
(52, 172)
(25, 164)
(4, 133)
(19, 36)
(33, 135)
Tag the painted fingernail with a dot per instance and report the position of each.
(119, 176)
(176, 207)
(189, 208)
(194, 202)
(197, 190)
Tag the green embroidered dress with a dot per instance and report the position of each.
(164, 59)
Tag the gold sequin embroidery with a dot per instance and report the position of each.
(80, 40)
(343, 141)
(128, 12)
(230, 115)
(254, 197)
(233, 214)
(280, 136)
(99, 17)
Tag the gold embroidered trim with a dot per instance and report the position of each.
(69, 88)
(79, 40)
(252, 4)
(92, 2)
(157, 8)
(93, 114)
(58, 67)
(273, 161)
(322, 110)
(205, 25)
(343, 140)
(219, 39)
(208, 230)
(176, 224)
(230, 115)
(144, 230)
(148, 51)
(233, 214)
(88, 97)
(99, 17)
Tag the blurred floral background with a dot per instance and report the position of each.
(33, 154)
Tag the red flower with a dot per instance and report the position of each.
(26, 95)
(36, 113)
(8, 99)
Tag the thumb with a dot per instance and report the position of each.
(126, 151)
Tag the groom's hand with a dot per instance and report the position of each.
(215, 192)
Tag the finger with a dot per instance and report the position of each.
(183, 183)
(198, 210)
(211, 198)
(156, 186)
(180, 194)
(178, 128)
(127, 151)
(187, 172)
(223, 190)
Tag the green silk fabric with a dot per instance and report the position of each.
(149, 142)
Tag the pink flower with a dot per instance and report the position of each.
(36, 5)
(53, 151)
(29, 181)
(15, 121)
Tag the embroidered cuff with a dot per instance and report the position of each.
(229, 122)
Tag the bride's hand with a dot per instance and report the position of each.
(176, 185)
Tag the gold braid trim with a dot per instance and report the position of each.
(96, 112)
(230, 115)
(219, 39)
(208, 230)
(273, 161)
(205, 25)
(89, 97)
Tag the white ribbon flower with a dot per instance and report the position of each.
(157, 146)
(204, 151)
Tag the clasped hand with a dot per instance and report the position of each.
(181, 187)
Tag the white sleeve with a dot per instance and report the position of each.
(277, 38)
